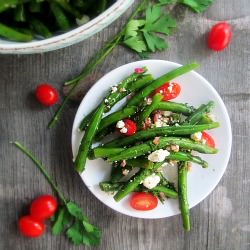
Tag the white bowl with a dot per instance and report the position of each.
(196, 90)
(71, 37)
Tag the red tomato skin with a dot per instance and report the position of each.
(143, 201)
(43, 207)
(30, 227)
(130, 126)
(208, 138)
(166, 92)
(219, 36)
(46, 94)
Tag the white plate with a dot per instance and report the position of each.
(195, 91)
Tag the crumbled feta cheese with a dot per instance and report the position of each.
(158, 123)
(120, 124)
(114, 89)
(170, 87)
(158, 155)
(80, 21)
(124, 130)
(125, 171)
(175, 148)
(166, 113)
(203, 141)
(122, 90)
(196, 136)
(151, 181)
(106, 100)
(148, 100)
(211, 116)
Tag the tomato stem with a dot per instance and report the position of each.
(42, 169)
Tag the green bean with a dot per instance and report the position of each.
(109, 187)
(131, 185)
(117, 173)
(145, 113)
(183, 156)
(35, 7)
(40, 28)
(104, 152)
(167, 191)
(198, 114)
(159, 81)
(149, 146)
(131, 83)
(4, 5)
(175, 107)
(61, 19)
(101, 6)
(182, 190)
(13, 34)
(116, 116)
(205, 119)
(68, 8)
(161, 131)
(87, 139)
(19, 13)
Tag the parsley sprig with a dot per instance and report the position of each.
(69, 217)
(144, 33)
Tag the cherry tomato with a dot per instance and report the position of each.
(46, 94)
(43, 207)
(219, 36)
(143, 201)
(130, 128)
(169, 90)
(208, 138)
(30, 227)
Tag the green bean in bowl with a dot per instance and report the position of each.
(33, 26)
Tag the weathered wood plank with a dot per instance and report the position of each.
(219, 222)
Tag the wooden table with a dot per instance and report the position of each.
(220, 222)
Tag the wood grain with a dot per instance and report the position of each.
(220, 222)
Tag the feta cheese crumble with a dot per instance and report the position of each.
(151, 181)
(120, 124)
(114, 89)
(124, 130)
(158, 155)
(196, 136)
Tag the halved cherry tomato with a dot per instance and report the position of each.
(43, 207)
(129, 128)
(143, 201)
(219, 36)
(208, 139)
(30, 227)
(46, 94)
(169, 90)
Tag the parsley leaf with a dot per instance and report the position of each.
(142, 35)
(61, 219)
(132, 27)
(197, 5)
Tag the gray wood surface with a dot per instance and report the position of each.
(220, 222)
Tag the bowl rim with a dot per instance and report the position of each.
(71, 37)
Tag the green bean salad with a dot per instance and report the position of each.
(152, 132)
(23, 20)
